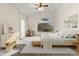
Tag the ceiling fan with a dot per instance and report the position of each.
(40, 5)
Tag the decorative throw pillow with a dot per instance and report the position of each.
(66, 35)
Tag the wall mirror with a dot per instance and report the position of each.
(45, 27)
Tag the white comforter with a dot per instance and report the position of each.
(55, 39)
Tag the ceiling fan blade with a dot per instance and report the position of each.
(37, 7)
(45, 5)
(36, 4)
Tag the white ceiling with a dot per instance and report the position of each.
(29, 9)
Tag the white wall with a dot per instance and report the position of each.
(63, 13)
(9, 15)
(33, 21)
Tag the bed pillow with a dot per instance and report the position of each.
(68, 35)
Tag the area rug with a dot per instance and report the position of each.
(56, 51)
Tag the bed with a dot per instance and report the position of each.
(51, 39)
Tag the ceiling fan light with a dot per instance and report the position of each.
(41, 9)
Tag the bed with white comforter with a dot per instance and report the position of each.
(47, 40)
(55, 39)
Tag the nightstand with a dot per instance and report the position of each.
(76, 43)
